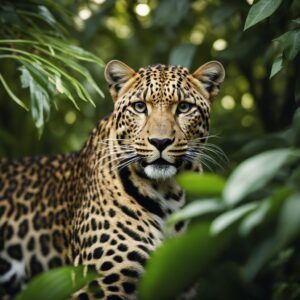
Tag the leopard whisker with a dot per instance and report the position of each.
(114, 153)
(201, 156)
(192, 157)
(214, 150)
(126, 162)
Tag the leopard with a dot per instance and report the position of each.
(105, 206)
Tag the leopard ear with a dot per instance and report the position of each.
(117, 74)
(211, 75)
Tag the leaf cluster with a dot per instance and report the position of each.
(243, 224)
(49, 62)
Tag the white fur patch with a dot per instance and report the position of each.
(17, 268)
(160, 172)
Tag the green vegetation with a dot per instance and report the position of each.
(243, 238)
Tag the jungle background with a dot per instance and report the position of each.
(243, 240)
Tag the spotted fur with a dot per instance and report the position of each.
(105, 206)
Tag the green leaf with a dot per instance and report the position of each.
(289, 220)
(11, 93)
(58, 284)
(228, 218)
(290, 42)
(260, 11)
(177, 264)
(253, 174)
(254, 218)
(40, 100)
(277, 66)
(287, 228)
(46, 14)
(258, 258)
(196, 209)
(201, 184)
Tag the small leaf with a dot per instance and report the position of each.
(177, 264)
(253, 174)
(40, 106)
(201, 184)
(230, 217)
(260, 11)
(196, 209)
(277, 66)
(46, 14)
(290, 42)
(254, 218)
(58, 284)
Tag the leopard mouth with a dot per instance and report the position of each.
(159, 169)
(160, 162)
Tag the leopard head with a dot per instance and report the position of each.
(162, 114)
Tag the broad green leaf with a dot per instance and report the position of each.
(277, 66)
(254, 218)
(289, 220)
(182, 55)
(288, 228)
(58, 284)
(201, 184)
(228, 218)
(260, 11)
(253, 174)
(290, 42)
(195, 209)
(262, 253)
(177, 264)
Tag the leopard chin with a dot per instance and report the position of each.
(160, 172)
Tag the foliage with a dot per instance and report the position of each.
(59, 284)
(36, 40)
(234, 232)
(289, 42)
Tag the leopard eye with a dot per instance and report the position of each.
(140, 107)
(184, 107)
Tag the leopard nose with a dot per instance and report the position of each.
(160, 144)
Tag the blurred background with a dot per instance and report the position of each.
(143, 32)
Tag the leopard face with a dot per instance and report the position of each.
(162, 114)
